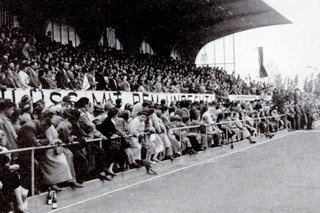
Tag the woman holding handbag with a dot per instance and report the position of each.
(55, 165)
(114, 145)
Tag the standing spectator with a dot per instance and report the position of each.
(6, 110)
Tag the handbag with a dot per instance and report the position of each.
(125, 142)
(58, 150)
(115, 144)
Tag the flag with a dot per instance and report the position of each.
(263, 73)
(85, 83)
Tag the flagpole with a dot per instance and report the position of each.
(234, 56)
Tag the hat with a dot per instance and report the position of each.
(144, 111)
(72, 114)
(25, 100)
(82, 102)
(108, 106)
(67, 99)
(128, 106)
(5, 104)
(123, 113)
(25, 103)
(146, 103)
(38, 105)
(113, 112)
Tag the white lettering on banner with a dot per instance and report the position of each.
(51, 97)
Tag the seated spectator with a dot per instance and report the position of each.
(11, 188)
(57, 163)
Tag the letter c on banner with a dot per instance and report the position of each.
(52, 94)
(73, 94)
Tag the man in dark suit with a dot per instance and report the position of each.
(62, 77)
(113, 84)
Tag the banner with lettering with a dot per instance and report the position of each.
(52, 97)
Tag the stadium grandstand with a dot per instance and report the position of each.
(99, 97)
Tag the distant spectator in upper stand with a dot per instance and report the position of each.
(62, 77)
(91, 78)
(72, 84)
(113, 85)
(33, 75)
(16, 76)
(23, 76)
(9, 76)
(26, 51)
(124, 84)
(101, 82)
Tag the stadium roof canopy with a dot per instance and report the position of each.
(186, 25)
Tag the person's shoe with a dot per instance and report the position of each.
(103, 177)
(150, 170)
(253, 142)
(192, 152)
(171, 157)
(133, 166)
(110, 173)
(56, 188)
(178, 155)
(75, 184)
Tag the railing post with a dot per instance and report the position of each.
(227, 135)
(257, 127)
(32, 172)
(207, 144)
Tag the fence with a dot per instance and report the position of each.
(180, 129)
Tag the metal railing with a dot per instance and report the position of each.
(180, 129)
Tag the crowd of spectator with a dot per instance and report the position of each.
(29, 63)
(131, 136)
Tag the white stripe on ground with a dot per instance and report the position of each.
(310, 131)
(174, 171)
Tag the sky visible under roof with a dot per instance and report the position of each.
(288, 49)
